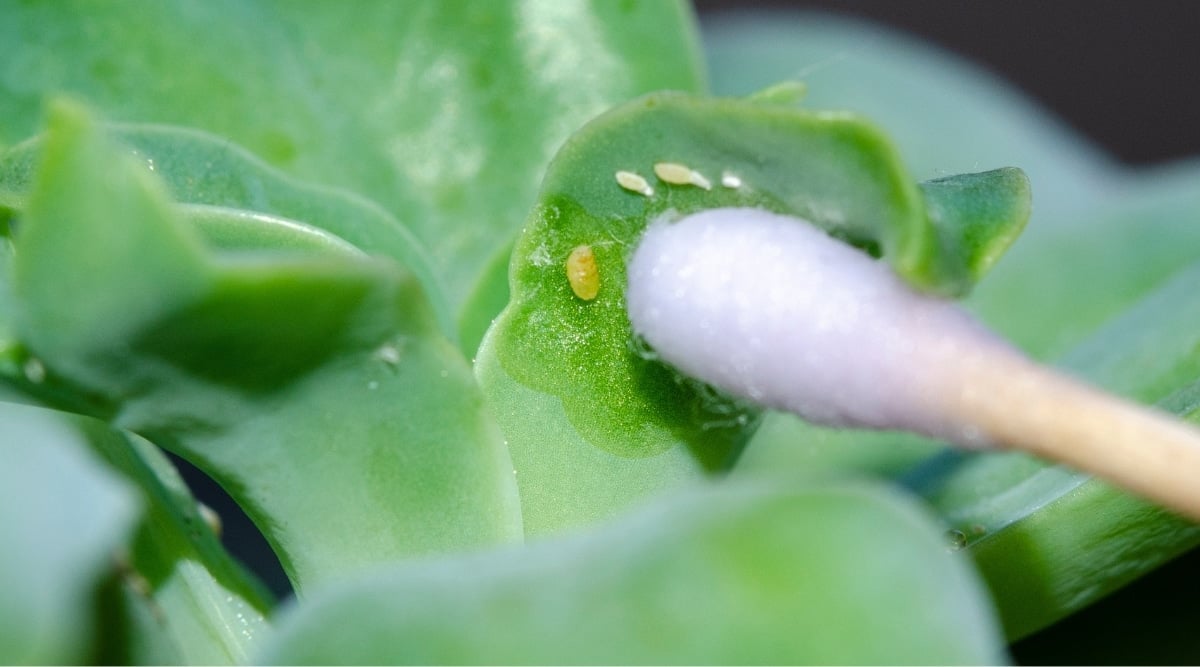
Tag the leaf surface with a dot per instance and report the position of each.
(313, 385)
(63, 519)
(1050, 540)
(444, 113)
(734, 574)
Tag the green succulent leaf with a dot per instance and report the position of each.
(63, 520)
(787, 447)
(724, 575)
(313, 384)
(231, 230)
(444, 113)
(301, 343)
(1118, 252)
(177, 582)
(245, 198)
(976, 217)
(1028, 523)
(552, 350)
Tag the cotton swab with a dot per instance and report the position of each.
(772, 309)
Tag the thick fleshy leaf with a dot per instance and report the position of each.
(180, 583)
(63, 519)
(484, 304)
(572, 360)
(1062, 282)
(1050, 540)
(788, 447)
(314, 386)
(202, 169)
(171, 594)
(728, 575)
(444, 113)
(232, 229)
(974, 218)
(91, 222)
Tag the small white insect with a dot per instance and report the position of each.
(634, 183)
(679, 174)
(731, 180)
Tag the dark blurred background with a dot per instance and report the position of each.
(1125, 75)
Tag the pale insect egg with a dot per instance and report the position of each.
(679, 174)
(634, 183)
(731, 180)
(582, 273)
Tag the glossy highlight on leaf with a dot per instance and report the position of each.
(204, 170)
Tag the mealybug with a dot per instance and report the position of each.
(582, 273)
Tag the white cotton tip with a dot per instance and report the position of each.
(772, 309)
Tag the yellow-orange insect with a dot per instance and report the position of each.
(582, 273)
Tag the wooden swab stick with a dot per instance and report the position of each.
(772, 309)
